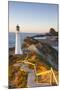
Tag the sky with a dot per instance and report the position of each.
(32, 17)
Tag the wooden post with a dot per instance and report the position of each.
(54, 77)
(51, 76)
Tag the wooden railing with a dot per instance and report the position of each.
(51, 74)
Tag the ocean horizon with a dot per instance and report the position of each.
(11, 37)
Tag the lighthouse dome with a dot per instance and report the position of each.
(17, 27)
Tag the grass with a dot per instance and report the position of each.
(44, 61)
(17, 77)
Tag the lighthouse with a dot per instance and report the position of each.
(18, 44)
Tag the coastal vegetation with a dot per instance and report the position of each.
(38, 56)
(18, 77)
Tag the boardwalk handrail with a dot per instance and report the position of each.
(54, 76)
(42, 73)
(28, 63)
(46, 72)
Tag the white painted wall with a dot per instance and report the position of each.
(18, 44)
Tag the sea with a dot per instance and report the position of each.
(12, 38)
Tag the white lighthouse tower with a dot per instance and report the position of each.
(18, 44)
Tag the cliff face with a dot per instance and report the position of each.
(44, 50)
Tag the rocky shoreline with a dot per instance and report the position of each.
(38, 52)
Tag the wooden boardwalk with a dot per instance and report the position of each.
(33, 76)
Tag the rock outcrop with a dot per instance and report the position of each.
(49, 54)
